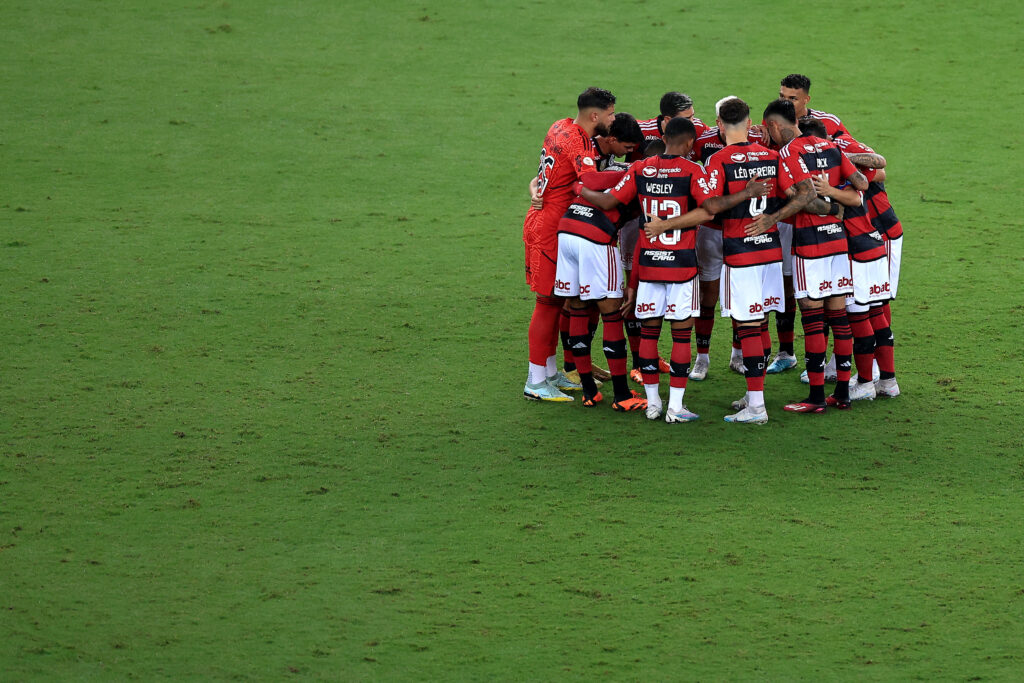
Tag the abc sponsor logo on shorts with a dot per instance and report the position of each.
(645, 307)
(879, 289)
(670, 308)
(825, 284)
(844, 282)
(768, 301)
(584, 289)
(564, 286)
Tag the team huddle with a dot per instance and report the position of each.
(788, 213)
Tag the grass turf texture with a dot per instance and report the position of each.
(265, 326)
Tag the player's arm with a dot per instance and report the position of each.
(656, 226)
(847, 196)
(867, 160)
(602, 200)
(879, 176)
(849, 172)
(536, 199)
(800, 195)
(754, 188)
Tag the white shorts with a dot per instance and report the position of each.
(820, 278)
(669, 300)
(709, 253)
(894, 248)
(749, 293)
(870, 281)
(588, 270)
(628, 235)
(786, 238)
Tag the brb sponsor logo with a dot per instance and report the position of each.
(645, 307)
(844, 282)
(563, 286)
(584, 289)
(880, 289)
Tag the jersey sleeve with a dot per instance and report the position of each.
(792, 170)
(625, 191)
(709, 183)
(584, 160)
(846, 167)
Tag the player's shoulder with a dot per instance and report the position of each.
(708, 134)
(648, 124)
(824, 116)
(851, 145)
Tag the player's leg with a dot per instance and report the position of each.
(755, 291)
(709, 258)
(543, 331)
(812, 319)
(650, 308)
(884, 352)
(785, 359)
(835, 314)
(861, 388)
(628, 236)
(614, 345)
(600, 288)
(683, 306)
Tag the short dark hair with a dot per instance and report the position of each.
(654, 147)
(812, 126)
(781, 108)
(733, 111)
(625, 129)
(679, 128)
(674, 102)
(797, 82)
(596, 98)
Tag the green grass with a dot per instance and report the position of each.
(264, 328)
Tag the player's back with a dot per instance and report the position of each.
(734, 166)
(711, 141)
(588, 221)
(664, 185)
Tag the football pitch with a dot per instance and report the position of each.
(264, 337)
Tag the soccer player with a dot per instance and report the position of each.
(664, 275)
(673, 105)
(568, 154)
(873, 338)
(590, 271)
(709, 258)
(751, 282)
(796, 88)
(821, 265)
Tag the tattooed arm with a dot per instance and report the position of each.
(800, 195)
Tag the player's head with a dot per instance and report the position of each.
(624, 135)
(675, 104)
(812, 126)
(596, 110)
(654, 148)
(733, 113)
(679, 136)
(780, 118)
(797, 89)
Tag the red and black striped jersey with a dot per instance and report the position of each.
(880, 211)
(653, 130)
(814, 236)
(666, 186)
(851, 146)
(863, 241)
(711, 141)
(833, 126)
(567, 155)
(588, 221)
(727, 172)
